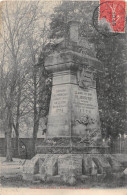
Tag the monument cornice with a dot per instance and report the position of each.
(70, 60)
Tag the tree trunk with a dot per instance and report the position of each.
(8, 134)
(16, 128)
(17, 151)
(16, 125)
(9, 146)
(35, 130)
(36, 114)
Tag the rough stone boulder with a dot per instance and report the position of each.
(115, 164)
(87, 164)
(103, 166)
(69, 167)
(122, 158)
(50, 165)
(31, 168)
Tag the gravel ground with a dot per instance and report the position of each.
(19, 182)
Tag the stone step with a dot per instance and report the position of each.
(49, 178)
(68, 167)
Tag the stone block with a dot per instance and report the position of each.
(72, 180)
(36, 177)
(27, 176)
(69, 178)
(49, 165)
(42, 170)
(100, 177)
(86, 164)
(102, 164)
(70, 163)
(94, 169)
(114, 163)
(84, 178)
(55, 178)
(125, 172)
(31, 167)
(122, 158)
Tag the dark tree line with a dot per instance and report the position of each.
(22, 82)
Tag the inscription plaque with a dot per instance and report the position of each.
(85, 101)
(59, 100)
(85, 111)
(60, 112)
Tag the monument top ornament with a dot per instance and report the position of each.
(73, 47)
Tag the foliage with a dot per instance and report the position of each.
(22, 38)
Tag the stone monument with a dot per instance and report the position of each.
(73, 121)
(73, 146)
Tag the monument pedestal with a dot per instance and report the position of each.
(73, 121)
(60, 145)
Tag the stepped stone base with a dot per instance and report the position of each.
(68, 168)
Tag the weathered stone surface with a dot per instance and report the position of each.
(60, 111)
(68, 107)
(100, 177)
(36, 177)
(102, 164)
(72, 180)
(72, 149)
(43, 174)
(70, 163)
(122, 158)
(64, 78)
(73, 113)
(27, 176)
(94, 168)
(53, 150)
(70, 103)
(115, 164)
(87, 164)
(50, 165)
(39, 177)
(125, 171)
(84, 178)
(70, 60)
(84, 103)
(31, 168)
(69, 177)
(41, 162)
(55, 178)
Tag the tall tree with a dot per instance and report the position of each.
(19, 23)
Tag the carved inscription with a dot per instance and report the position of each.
(70, 162)
(59, 101)
(86, 115)
(85, 101)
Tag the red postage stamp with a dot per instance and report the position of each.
(114, 13)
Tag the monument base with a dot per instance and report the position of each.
(69, 145)
(69, 168)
